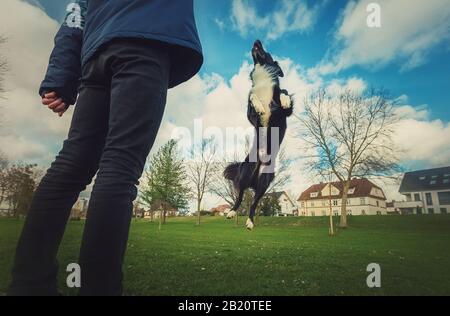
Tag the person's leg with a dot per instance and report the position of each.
(140, 74)
(35, 267)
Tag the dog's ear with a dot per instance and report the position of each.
(280, 72)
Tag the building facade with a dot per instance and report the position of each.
(287, 205)
(426, 192)
(364, 198)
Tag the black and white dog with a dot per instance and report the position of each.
(268, 109)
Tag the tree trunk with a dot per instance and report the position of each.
(258, 211)
(160, 219)
(331, 212)
(164, 216)
(237, 218)
(343, 222)
(199, 214)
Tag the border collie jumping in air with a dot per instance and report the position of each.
(268, 109)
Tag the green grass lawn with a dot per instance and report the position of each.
(282, 256)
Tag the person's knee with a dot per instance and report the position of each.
(119, 174)
(72, 166)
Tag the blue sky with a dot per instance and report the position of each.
(319, 43)
(225, 48)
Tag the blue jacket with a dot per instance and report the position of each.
(90, 24)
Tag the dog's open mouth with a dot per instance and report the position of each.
(258, 52)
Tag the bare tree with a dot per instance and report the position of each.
(282, 173)
(3, 177)
(225, 190)
(201, 170)
(222, 187)
(350, 135)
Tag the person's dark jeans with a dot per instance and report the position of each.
(116, 119)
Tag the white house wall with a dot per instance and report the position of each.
(355, 206)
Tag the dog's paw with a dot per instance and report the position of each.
(257, 105)
(249, 224)
(285, 101)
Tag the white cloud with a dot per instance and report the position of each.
(287, 17)
(424, 141)
(220, 23)
(409, 30)
(27, 125)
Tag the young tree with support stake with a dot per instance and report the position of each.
(166, 180)
(350, 134)
(201, 170)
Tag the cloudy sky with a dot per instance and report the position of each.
(319, 43)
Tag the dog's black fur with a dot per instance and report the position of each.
(248, 174)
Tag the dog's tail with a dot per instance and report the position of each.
(231, 171)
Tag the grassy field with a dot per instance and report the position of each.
(282, 256)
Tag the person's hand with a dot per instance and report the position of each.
(54, 103)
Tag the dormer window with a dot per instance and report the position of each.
(351, 191)
(314, 194)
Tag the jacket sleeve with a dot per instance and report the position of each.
(64, 68)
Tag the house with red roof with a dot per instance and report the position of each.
(364, 198)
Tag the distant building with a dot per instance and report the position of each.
(221, 210)
(391, 209)
(287, 205)
(426, 192)
(79, 209)
(364, 198)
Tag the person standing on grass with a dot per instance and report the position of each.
(120, 58)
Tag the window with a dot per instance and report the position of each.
(444, 198)
(443, 210)
(378, 212)
(362, 201)
(363, 212)
(431, 211)
(314, 194)
(433, 182)
(416, 197)
(351, 190)
(303, 204)
(378, 203)
(348, 202)
(419, 210)
(335, 203)
(434, 177)
(312, 204)
(422, 178)
(428, 198)
(336, 213)
(313, 213)
(408, 197)
(324, 203)
(446, 181)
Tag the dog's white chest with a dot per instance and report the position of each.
(262, 92)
